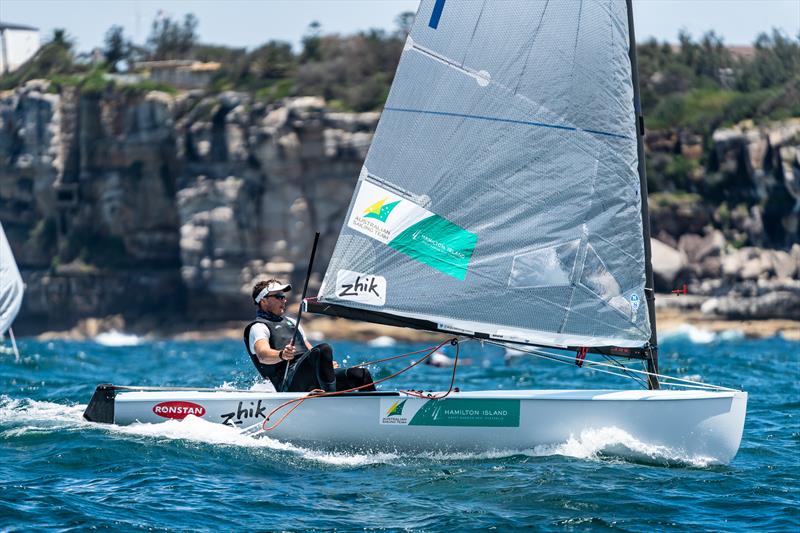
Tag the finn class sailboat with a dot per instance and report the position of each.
(508, 163)
(11, 290)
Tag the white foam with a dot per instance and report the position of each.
(31, 416)
(196, 429)
(38, 416)
(441, 360)
(382, 342)
(731, 335)
(117, 338)
(692, 333)
(594, 444)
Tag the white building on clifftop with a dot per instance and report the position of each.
(18, 43)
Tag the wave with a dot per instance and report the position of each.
(382, 342)
(25, 417)
(612, 442)
(117, 338)
(593, 445)
(700, 336)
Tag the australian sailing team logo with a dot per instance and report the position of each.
(411, 229)
(380, 210)
(360, 287)
(376, 212)
(396, 408)
(394, 413)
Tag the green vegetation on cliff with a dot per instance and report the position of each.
(700, 85)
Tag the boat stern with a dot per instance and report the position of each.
(101, 406)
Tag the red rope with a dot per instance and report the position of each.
(449, 390)
(299, 401)
(396, 356)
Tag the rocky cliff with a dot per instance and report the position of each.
(130, 203)
(145, 203)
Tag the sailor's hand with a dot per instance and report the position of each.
(335, 364)
(288, 352)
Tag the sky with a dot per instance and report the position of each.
(249, 23)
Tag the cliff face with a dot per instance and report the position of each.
(147, 204)
(746, 183)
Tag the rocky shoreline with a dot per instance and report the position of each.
(674, 313)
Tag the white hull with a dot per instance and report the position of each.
(690, 423)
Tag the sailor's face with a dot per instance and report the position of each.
(275, 303)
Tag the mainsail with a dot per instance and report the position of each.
(11, 287)
(500, 195)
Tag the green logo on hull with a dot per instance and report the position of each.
(469, 413)
(396, 409)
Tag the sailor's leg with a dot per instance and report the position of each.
(314, 371)
(323, 359)
(349, 378)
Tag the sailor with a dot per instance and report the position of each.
(268, 340)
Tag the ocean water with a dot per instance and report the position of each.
(58, 472)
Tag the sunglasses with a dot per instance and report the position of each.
(280, 296)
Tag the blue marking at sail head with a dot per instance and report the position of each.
(437, 14)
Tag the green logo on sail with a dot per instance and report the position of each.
(439, 243)
(380, 210)
(396, 409)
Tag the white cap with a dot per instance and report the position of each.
(272, 287)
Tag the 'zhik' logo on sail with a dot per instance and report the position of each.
(360, 287)
(380, 210)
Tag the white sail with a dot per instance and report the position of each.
(11, 287)
(500, 195)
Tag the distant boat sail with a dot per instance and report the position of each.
(11, 287)
(501, 195)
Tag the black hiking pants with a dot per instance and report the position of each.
(314, 370)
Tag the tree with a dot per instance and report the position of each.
(404, 21)
(272, 61)
(55, 57)
(312, 43)
(116, 47)
(777, 60)
(170, 40)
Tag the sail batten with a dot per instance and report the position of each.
(515, 213)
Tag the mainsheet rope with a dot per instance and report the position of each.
(417, 394)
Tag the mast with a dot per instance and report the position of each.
(649, 290)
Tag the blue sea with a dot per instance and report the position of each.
(59, 472)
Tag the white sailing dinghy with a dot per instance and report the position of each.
(501, 199)
(11, 290)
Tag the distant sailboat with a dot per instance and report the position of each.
(501, 200)
(11, 290)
